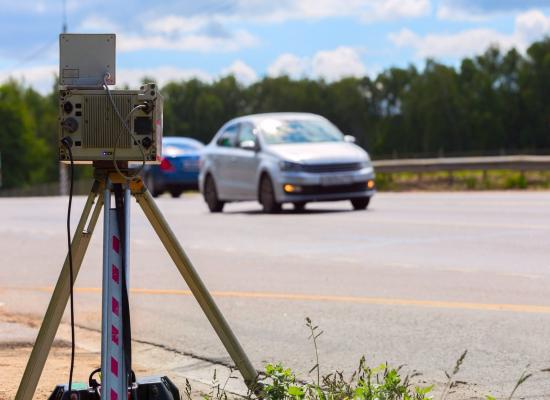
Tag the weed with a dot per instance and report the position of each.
(365, 383)
(450, 377)
(314, 334)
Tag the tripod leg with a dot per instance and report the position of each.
(59, 298)
(198, 288)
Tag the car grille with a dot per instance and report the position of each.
(342, 167)
(333, 189)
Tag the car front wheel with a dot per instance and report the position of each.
(267, 196)
(211, 196)
(361, 203)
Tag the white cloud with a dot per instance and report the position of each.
(203, 33)
(289, 65)
(41, 78)
(220, 29)
(476, 10)
(366, 10)
(396, 9)
(164, 74)
(177, 24)
(241, 71)
(330, 65)
(97, 23)
(450, 12)
(464, 43)
(338, 63)
(532, 25)
(35, 7)
(529, 26)
(171, 32)
(188, 42)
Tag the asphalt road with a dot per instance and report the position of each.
(415, 280)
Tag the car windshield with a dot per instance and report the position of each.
(276, 131)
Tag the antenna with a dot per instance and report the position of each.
(64, 26)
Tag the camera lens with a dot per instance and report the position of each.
(68, 107)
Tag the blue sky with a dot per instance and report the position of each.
(329, 39)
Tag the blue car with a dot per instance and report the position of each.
(179, 167)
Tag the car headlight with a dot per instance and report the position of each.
(290, 166)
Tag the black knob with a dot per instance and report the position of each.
(70, 125)
(146, 142)
(68, 107)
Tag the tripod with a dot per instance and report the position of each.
(104, 179)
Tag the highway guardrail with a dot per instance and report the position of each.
(419, 165)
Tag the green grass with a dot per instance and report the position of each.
(464, 180)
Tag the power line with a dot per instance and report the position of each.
(32, 56)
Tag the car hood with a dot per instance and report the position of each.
(311, 153)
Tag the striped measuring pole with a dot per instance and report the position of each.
(113, 373)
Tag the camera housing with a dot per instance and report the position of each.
(90, 120)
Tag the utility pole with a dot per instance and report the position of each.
(63, 176)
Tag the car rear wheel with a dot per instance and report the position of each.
(267, 196)
(299, 206)
(211, 196)
(361, 203)
(175, 193)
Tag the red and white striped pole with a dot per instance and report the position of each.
(114, 384)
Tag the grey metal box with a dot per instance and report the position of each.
(89, 119)
(84, 59)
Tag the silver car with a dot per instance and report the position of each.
(284, 158)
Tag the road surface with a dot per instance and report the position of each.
(415, 280)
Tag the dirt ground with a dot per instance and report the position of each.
(14, 358)
(14, 354)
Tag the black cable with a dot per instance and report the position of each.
(124, 123)
(67, 142)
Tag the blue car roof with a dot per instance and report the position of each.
(181, 140)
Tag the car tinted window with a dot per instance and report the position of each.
(228, 138)
(246, 133)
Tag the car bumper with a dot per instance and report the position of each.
(302, 186)
(177, 179)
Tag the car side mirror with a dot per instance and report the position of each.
(249, 145)
(349, 138)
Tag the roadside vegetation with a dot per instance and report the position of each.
(365, 383)
(494, 103)
(463, 180)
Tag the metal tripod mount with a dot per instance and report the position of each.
(100, 195)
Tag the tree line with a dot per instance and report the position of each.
(497, 102)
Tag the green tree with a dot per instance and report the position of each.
(23, 151)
